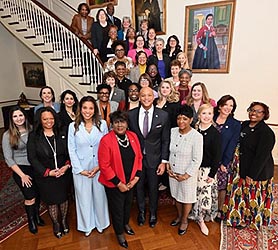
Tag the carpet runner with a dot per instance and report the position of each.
(250, 239)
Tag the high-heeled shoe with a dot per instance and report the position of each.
(65, 227)
(183, 228)
(175, 222)
(203, 227)
(57, 230)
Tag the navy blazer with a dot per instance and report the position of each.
(156, 144)
(229, 139)
(116, 21)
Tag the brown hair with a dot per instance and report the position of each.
(14, 134)
(96, 117)
(205, 96)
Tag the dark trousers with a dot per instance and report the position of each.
(148, 175)
(119, 205)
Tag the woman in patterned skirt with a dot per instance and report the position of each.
(186, 150)
(206, 206)
(249, 192)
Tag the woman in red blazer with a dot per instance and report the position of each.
(120, 162)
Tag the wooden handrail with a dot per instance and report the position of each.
(89, 45)
(65, 3)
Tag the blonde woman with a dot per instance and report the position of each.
(206, 207)
(168, 100)
(182, 57)
(198, 96)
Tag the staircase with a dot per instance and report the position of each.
(53, 41)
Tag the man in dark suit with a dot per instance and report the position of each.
(111, 19)
(152, 127)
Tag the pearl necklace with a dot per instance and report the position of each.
(123, 142)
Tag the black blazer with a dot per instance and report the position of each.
(156, 144)
(171, 108)
(256, 144)
(65, 120)
(99, 34)
(116, 21)
(40, 154)
(154, 60)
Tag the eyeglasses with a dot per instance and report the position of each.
(104, 93)
(119, 50)
(250, 110)
(133, 90)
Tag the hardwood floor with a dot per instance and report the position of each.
(162, 237)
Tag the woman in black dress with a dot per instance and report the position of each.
(68, 108)
(47, 153)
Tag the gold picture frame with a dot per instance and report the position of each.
(152, 10)
(94, 4)
(34, 74)
(208, 36)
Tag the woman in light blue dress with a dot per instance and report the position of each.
(83, 141)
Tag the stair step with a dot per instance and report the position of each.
(65, 67)
(91, 92)
(29, 37)
(56, 59)
(13, 23)
(6, 16)
(84, 83)
(38, 44)
(75, 75)
(21, 30)
(47, 51)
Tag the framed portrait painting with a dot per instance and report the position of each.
(93, 4)
(208, 36)
(152, 10)
(34, 74)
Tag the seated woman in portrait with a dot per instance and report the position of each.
(206, 55)
(82, 22)
(120, 162)
(48, 154)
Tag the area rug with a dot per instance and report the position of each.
(12, 211)
(249, 239)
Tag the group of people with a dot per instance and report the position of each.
(215, 166)
(148, 127)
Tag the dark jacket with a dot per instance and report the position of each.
(229, 139)
(256, 145)
(156, 144)
(154, 60)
